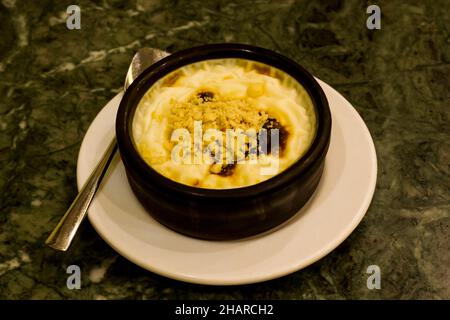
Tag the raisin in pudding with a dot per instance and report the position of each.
(223, 123)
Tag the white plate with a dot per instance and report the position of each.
(339, 204)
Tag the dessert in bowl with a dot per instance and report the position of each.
(223, 141)
(219, 102)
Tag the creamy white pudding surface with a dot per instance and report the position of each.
(225, 94)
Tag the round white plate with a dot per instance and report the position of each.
(338, 205)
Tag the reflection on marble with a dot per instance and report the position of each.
(53, 81)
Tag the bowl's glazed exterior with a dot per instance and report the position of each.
(229, 213)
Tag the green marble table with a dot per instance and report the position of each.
(53, 82)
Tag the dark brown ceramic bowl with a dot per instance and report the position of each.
(229, 213)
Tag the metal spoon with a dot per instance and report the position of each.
(61, 237)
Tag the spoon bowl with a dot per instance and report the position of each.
(63, 234)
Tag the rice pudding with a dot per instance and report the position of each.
(224, 123)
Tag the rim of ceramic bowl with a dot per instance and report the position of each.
(125, 114)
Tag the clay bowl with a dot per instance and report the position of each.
(223, 214)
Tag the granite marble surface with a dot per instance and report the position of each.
(53, 82)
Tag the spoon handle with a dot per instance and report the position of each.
(62, 235)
